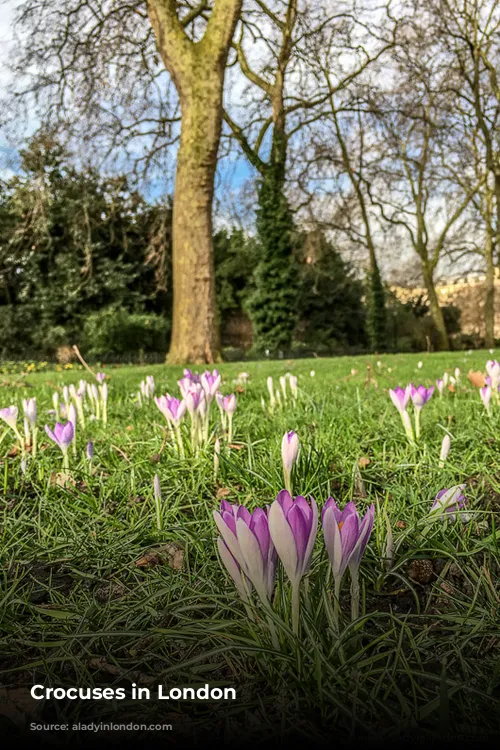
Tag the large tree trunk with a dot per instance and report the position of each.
(195, 336)
(489, 298)
(197, 69)
(436, 312)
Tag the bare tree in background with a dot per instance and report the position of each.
(94, 66)
(467, 37)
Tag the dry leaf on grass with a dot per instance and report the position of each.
(476, 378)
(171, 554)
(363, 462)
(61, 479)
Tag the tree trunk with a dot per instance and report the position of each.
(195, 336)
(436, 312)
(489, 298)
(197, 69)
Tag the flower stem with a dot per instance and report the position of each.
(336, 603)
(295, 607)
(354, 593)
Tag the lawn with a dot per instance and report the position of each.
(104, 585)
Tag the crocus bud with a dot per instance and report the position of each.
(157, 488)
(270, 388)
(448, 504)
(90, 450)
(293, 386)
(400, 397)
(100, 377)
(289, 452)
(30, 410)
(486, 394)
(445, 449)
(210, 382)
(283, 386)
(72, 414)
(440, 385)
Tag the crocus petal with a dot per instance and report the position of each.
(283, 539)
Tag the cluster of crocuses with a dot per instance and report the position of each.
(146, 389)
(448, 380)
(250, 545)
(278, 397)
(70, 408)
(490, 392)
(198, 393)
(419, 395)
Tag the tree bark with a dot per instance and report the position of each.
(197, 70)
(436, 312)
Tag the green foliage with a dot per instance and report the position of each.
(272, 305)
(117, 331)
(235, 256)
(376, 313)
(73, 242)
(411, 327)
(330, 299)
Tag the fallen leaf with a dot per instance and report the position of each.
(223, 492)
(239, 389)
(400, 525)
(61, 479)
(13, 451)
(451, 388)
(155, 458)
(171, 554)
(236, 447)
(363, 462)
(476, 378)
(129, 427)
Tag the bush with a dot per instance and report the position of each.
(116, 331)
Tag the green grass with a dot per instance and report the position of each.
(77, 610)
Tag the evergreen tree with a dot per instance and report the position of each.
(376, 313)
(272, 306)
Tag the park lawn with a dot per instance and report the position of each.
(99, 588)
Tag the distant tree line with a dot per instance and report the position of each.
(85, 259)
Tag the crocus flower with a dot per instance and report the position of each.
(420, 395)
(289, 453)
(293, 525)
(227, 406)
(283, 386)
(486, 394)
(400, 397)
(89, 451)
(293, 386)
(151, 384)
(9, 416)
(247, 537)
(210, 382)
(29, 406)
(172, 409)
(100, 377)
(448, 504)
(440, 385)
(193, 398)
(445, 449)
(346, 536)
(62, 435)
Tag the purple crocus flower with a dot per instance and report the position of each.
(9, 416)
(210, 382)
(193, 399)
(486, 394)
(100, 377)
(493, 370)
(346, 535)
(420, 395)
(90, 450)
(400, 397)
(246, 536)
(172, 409)
(448, 503)
(440, 385)
(293, 525)
(226, 404)
(62, 435)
